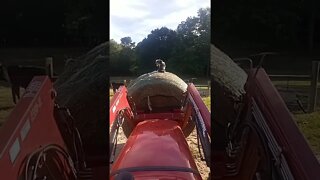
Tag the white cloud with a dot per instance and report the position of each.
(138, 18)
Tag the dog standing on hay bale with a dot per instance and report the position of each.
(161, 65)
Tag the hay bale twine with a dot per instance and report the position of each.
(165, 91)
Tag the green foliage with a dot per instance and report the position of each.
(193, 50)
(261, 25)
(122, 58)
(186, 50)
(85, 21)
(127, 42)
(158, 44)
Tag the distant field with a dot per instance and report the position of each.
(203, 90)
(33, 57)
(6, 103)
(206, 99)
(36, 56)
(201, 80)
(308, 123)
(292, 83)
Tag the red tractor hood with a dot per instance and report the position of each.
(156, 149)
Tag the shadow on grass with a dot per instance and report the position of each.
(6, 108)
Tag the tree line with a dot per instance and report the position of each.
(287, 25)
(185, 50)
(54, 23)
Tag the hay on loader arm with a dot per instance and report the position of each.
(227, 87)
(83, 88)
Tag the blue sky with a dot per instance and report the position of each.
(137, 18)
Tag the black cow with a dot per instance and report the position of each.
(19, 76)
(116, 86)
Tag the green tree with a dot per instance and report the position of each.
(192, 52)
(186, 51)
(158, 44)
(127, 42)
(122, 59)
(258, 25)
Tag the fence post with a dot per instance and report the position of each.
(49, 66)
(209, 85)
(314, 86)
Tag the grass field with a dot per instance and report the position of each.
(292, 83)
(206, 99)
(31, 57)
(308, 123)
(6, 103)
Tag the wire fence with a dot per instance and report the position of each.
(303, 88)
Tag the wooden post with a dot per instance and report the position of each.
(209, 92)
(49, 66)
(314, 86)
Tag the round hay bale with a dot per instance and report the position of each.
(227, 88)
(228, 85)
(82, 88)
(164, 91)
(227, 73)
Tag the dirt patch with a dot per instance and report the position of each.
(201, 165)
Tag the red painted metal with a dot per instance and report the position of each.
(269, 112)
(118, 102)
(172, 116)
(201, 106)
(157, 142)
(30, 125)
(247, 162)
(177, 116)
(300, 158)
